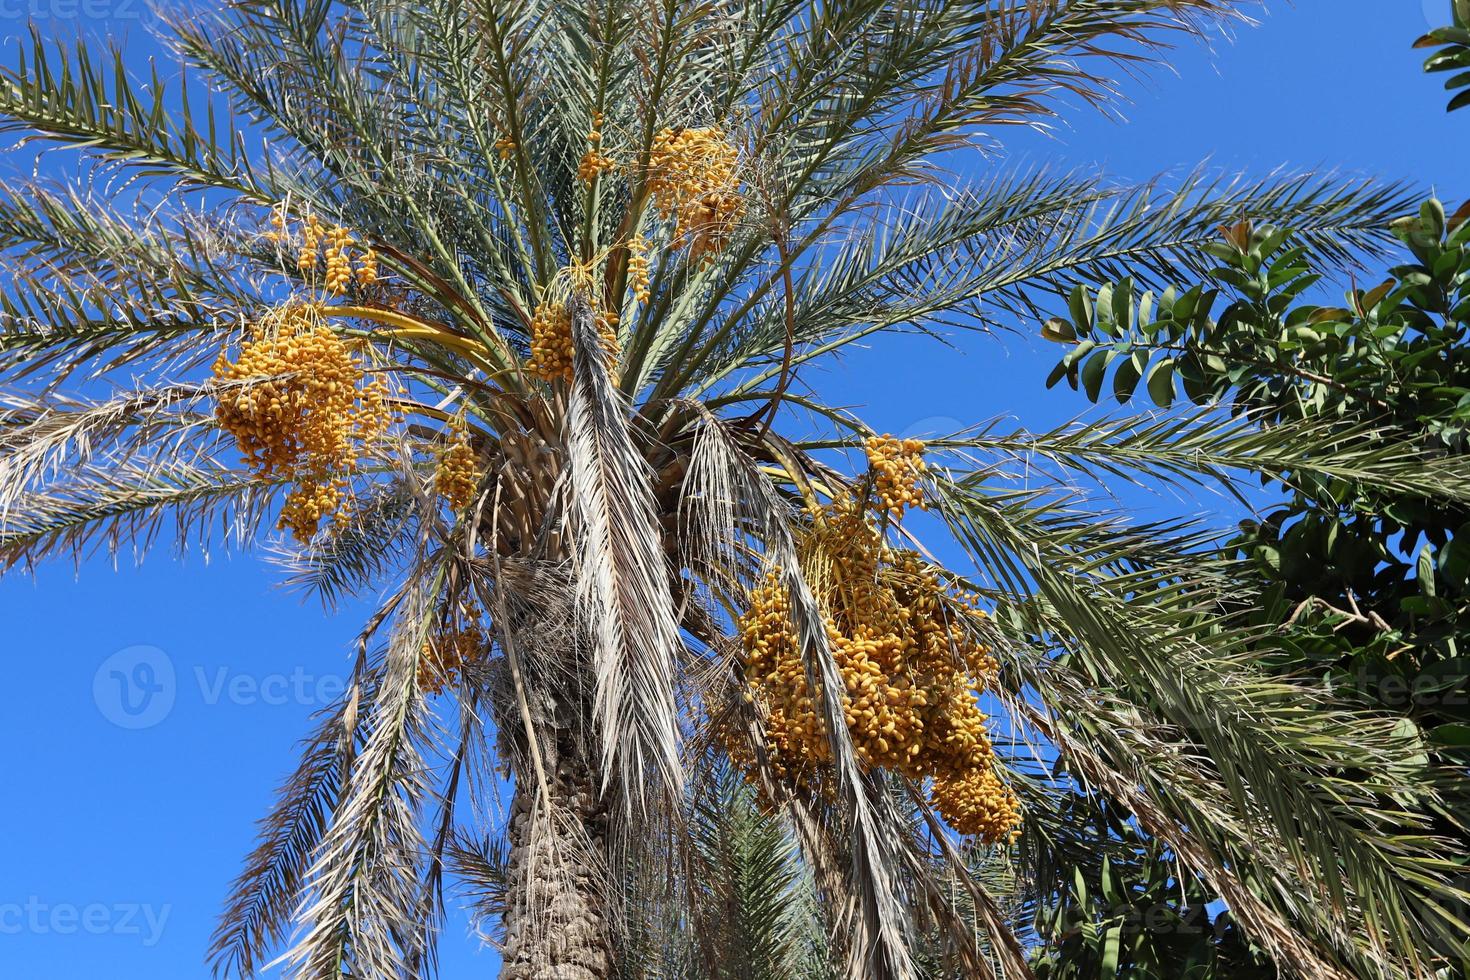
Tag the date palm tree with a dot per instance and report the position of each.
(503, 309)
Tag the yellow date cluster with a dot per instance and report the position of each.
(594, 162)
(456, 643)
(325, 250)
(909, 652)
(457, 475)
(303, 412)
(897, 466)
(638, 268)
(551, 340)
(692, 177)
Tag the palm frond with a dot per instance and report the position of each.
(997, 252)
(362, 899)
(748, 885)
(347, 559)
(873, 930)
(76, 99)
(623, 579)
(265, 895)
(129, 507)
(41, 439)
(1203, 447)
(1292, 762)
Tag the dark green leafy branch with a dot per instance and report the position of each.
(1383, 571)
(1452, 54)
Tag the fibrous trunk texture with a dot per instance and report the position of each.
(556, 918)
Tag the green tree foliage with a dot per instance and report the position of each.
(1133, 910)
(1363, 590)
(1452, 53)
(1372, 586)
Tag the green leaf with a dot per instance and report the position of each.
(1081, 308)
(1454, 734)
(1076, 354)
(1125, 378)
(1123, 311)
(1425, 572)
(1186, 306)
(1093, 372)
(1112, 889)
(1454, 560)
(1057, 374)
(1112, 945)
(1161, 382)
(1431, 212)
(1104, 321)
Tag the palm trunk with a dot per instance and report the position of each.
(556, 917)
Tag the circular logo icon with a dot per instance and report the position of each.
(135, 687)
(932, 427)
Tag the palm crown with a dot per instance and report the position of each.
(501, 306)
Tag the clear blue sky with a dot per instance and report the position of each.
(119, 843)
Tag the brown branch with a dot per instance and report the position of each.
(1353, 617)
